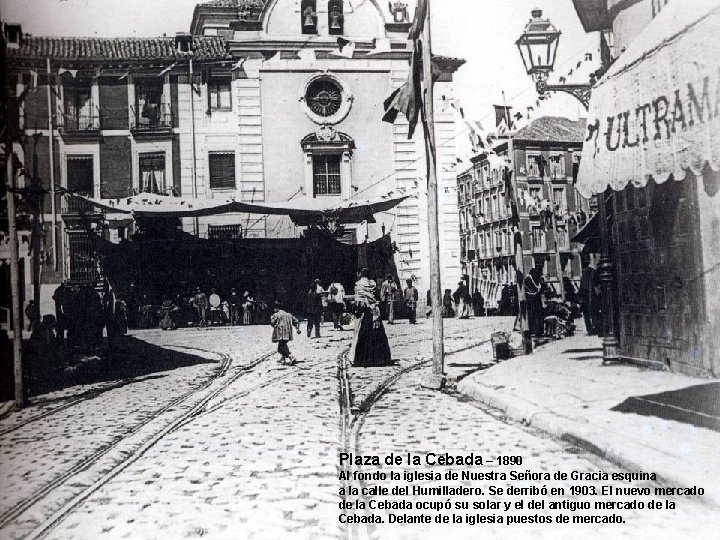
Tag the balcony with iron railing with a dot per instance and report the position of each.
(152, 119)
(73, 206)
(83, 123)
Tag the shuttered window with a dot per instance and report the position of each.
(80, 174)
(222, 170)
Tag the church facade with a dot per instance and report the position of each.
(263, 101)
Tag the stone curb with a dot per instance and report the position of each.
(583, 436)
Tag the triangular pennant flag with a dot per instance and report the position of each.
(252, 67)
(274, 58)
(167, 69)
(381, 46)
(346, 48)
(408, 98)
(307, 54)
(238, 65)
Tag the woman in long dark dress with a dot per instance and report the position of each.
(370, 344)
(533, 293)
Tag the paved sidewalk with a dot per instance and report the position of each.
(565, 390)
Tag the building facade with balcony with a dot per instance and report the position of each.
(101, 118)
(258, 102)
(545, 157)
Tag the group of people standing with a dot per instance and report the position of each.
(548, 316)
(461, 303)
(196, 308)
(370, 304)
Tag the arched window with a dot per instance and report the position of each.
(308, 16)
(335, 17)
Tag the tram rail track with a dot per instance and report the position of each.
(353, 417)
(12, 513)
(90, 394)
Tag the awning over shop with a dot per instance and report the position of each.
(302, 211)
(589, 231)
(656, 112)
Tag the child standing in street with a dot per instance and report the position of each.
(283, 323)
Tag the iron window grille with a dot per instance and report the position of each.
(326, 174)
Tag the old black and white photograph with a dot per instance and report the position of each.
(359, 269)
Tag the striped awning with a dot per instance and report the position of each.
(656, 112)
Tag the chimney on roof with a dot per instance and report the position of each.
(183, 42)
(12, 33)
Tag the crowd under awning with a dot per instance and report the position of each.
(303, 211)
(656, 112)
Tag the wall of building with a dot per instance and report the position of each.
(669, 306)
(499, 263)
(631, 17)
(364, 20)
(709, 274)
(661, 288)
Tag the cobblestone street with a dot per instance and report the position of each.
(230, 444)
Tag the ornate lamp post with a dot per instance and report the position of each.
(538, 48)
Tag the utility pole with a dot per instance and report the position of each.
(51, 157)
(9, 129)
(191, 75)
(437, 380)
(17, 320)
(558, 258)
(519, 249)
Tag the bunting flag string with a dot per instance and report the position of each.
(346, 48)
(167, 69)
(72, 72)
(307, 54)
(381, 46)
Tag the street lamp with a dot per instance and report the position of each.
(538, 48)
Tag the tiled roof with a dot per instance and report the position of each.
(553, 129)
(448, 62)
(119, 49)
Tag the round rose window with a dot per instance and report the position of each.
(324, 97)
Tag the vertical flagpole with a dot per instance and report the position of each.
(193, 166)
(437, 380)
(51, 140)
(519, 251)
